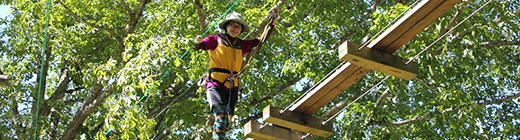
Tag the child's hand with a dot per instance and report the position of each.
(274, 12)
(198, 39)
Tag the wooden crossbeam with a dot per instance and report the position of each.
(419, 17)
(3, 81)
(297, 121)
(377, 60)
(267, 132)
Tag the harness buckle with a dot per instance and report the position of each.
(231, 77)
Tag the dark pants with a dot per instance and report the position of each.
(222, 103)
(218, 96)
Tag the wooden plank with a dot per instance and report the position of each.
(377, 60)
(252, 130)
(297, 121)
(423, 23)
(323, 89)
(407, 27)
(3, 81)
(340, 88)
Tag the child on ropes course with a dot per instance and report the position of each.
(225, 61)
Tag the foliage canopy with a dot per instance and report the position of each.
(104, 56)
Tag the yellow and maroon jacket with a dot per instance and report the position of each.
(225, 57)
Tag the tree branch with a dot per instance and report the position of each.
(452, 21)
(431, 115)
(74, 89)
(374, 6)
(351, 33)
(60, 91)
(201, 13)
(125, 6)
(164, 105)
(498, 43)
(134, 17)
(426, 84)
(278, 90)
(92, 101)
(19, 129)
(54, 123)
(43, 76)
(378, 102)
(335, 109)
(69, 101)
(338, 106)
(172, 19)
(382, 97)
(118, 38)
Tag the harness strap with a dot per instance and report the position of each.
(230, 78)
(221, 70)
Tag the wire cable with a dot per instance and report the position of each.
(415, 57)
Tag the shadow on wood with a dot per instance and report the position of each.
(3, 81)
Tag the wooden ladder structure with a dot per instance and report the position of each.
(375, 56)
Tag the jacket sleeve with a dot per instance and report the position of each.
(209, 43)
(248, 45)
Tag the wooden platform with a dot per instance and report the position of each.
(402, 31)
(297, 121)
(3, 81)
(267, 132)
(346, 74)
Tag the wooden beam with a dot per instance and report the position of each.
(267, 132)
(341, 79)
(377, 60)
(3, 81)
(297, 121)
(412, 23)
(419, 17)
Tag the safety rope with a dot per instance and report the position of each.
(262, 41)
(41, 70)
(415, 57)
(166, 73)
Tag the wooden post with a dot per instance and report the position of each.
(297, 121)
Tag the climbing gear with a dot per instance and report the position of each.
(223, 60)
(262, 41)
(230, 76)
(233, 16)
(202, 81)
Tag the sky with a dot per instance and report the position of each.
(4, 9)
